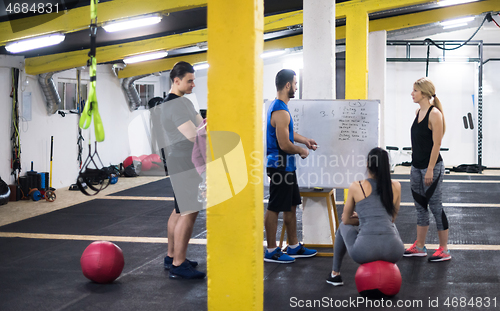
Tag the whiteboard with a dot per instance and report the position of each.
(345, 131)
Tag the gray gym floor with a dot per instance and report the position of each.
(40, 258)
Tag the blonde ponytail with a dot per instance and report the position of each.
(438, 105)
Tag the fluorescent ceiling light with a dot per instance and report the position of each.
(455, 26)
(200, 66)
(272, 54)
(458, 21)
(34, 43)
(144, 57)
(453, 2)
(132, 23)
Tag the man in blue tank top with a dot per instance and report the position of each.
(283, 189)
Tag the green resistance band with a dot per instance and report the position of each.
(91, 107)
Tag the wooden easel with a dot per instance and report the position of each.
(330, 202)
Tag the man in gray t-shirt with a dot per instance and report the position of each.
(177, 119)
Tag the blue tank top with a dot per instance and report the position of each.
(373, 217)
(277, 158)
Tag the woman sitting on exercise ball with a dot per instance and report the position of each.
(369, 233)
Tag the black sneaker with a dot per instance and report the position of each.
(335, 281)
(185, 271)
(167, 262)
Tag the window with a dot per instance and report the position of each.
(67, 93)
(146, 92)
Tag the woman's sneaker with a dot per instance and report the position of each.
(440, 255)
(277, 256)
(415, 251)
(334, 280)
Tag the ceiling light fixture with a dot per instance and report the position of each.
(132, 23)
(457, 22)
(34, 43)
(454, 2)
(144, 57)
(272, 54)
(201, 66)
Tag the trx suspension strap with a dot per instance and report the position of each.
(95, 178)
(91, 108)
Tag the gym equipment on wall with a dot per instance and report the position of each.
(91, 109)
(15, 140)
(91, 177)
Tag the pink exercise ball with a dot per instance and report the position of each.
(156, 160)
(378, 278)
(129, 160)
(146, 162)
(102, 262)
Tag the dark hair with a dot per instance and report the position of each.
(180, 69)
(283, 77)
(154, 101)
(378, 165)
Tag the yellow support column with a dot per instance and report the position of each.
(235, 198)
(356, 54)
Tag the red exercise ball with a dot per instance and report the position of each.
(155, 160)
(102, 262)
(378, 278)
(146, 162)
(130, 160)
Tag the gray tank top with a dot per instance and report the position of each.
(373, 217)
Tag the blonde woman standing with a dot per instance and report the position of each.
(427, 169)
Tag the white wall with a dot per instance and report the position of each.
(491, 111)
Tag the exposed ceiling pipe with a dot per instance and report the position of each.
(49, 90)
(133, 98)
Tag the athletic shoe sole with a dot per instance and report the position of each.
(440, 259)
(177, 277)
(277, 261)
(335, 283)
(302, 256)
(415, 255)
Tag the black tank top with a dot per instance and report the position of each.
(421, 142)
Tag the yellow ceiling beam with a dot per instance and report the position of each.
(79, 18)
(64, 61)
(434, 16)
(167, 63)
(371, 6)
(68, 60)
(159, 65)
(282, 21)
(74, 59)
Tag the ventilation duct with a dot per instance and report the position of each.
(49, 90)
(133, 98)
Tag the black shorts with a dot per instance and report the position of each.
(283, 190)
(185, 181)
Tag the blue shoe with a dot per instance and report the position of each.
(301, 252)
(185, 271)
(167, 262)
(277, 256)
